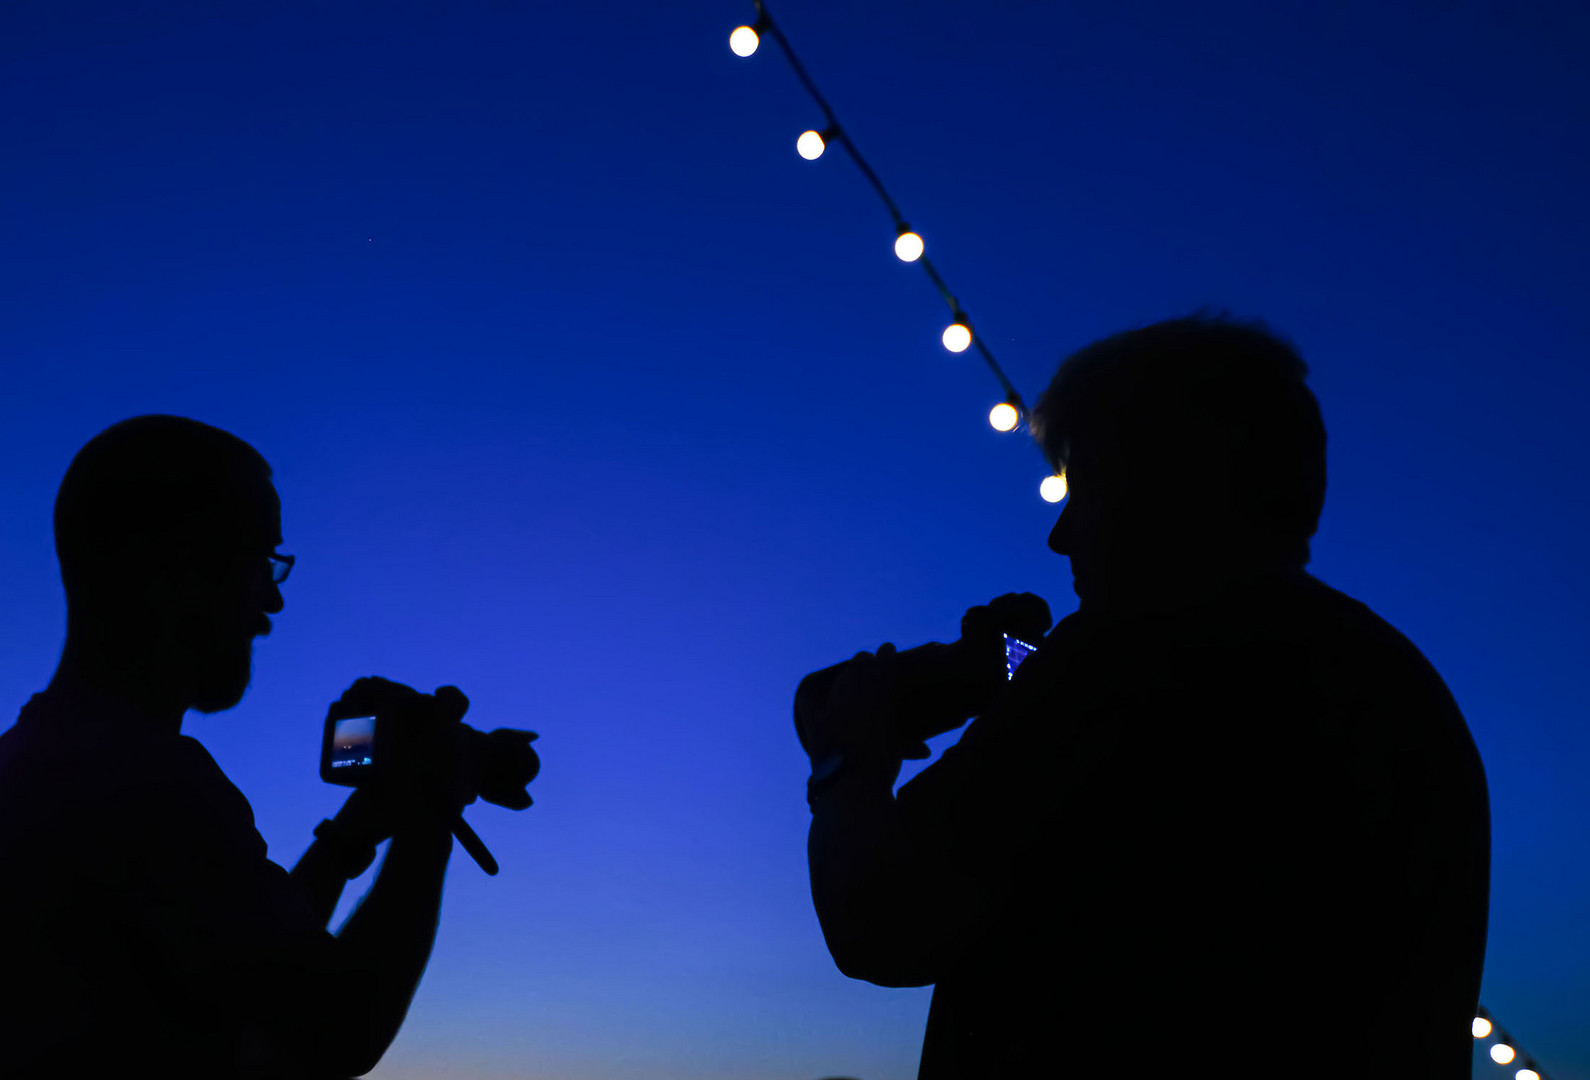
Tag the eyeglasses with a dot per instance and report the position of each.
(281, 566)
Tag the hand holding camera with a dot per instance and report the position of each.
(416, 764)
(894, 701)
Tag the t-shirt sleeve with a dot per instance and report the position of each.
(226, 928)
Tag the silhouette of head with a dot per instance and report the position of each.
(1193, 450)
(163, 526)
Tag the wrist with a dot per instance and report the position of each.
(350, 853)
(364, 818)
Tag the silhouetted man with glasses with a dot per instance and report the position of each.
(144, 927)
(1224, 818)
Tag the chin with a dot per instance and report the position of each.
(222, 683)
(214, 699)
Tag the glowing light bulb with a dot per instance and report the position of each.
(1481, 1027)
(1501, 1053)
(809, 146)
(908, 247)
(1526, 1074)
(957, 336)
(1053, 488)
(1003, 416)
(744, 41)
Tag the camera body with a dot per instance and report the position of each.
(936, 693)
(939, 686)
(501, 764)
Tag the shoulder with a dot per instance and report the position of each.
(1050, 717)
(101, 782)
(1353, 646)
(210, 806)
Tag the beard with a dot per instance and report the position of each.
(221, 674)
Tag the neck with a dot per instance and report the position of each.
(1190, 582)
(135, 680)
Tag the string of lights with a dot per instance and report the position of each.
(958, 336)
(1504, 1048)
(909, 246)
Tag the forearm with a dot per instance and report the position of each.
(319, 874)
(387, 942)
(893, 908)
(866, 884)
(343, 849)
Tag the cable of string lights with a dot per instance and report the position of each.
(958, 336)
(1504, 1048)
(908, 245)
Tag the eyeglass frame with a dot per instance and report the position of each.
(284, 563)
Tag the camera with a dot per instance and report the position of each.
(939, 686)
(502, 764)
(352, 747)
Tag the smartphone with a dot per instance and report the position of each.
(347, 751)
(1016, 651)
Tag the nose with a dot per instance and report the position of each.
(1060, 535)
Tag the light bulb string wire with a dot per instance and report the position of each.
(1521, 1058)
(837, 132)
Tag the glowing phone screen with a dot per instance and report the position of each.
(1016, 651)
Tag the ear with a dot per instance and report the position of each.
(179, 581)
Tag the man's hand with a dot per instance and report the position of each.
(848, 708)
(425, 772)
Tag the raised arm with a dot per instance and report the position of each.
(385, 946)
(896, 905)
(893, 911)
(380, 954)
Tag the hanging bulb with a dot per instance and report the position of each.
(908, 245)
(744, 41)
(1004, 416)
(1501, 1053)
(1053, 488)
(1481, 1027)
(1526, 1074)
(957, 336)
(810, 145)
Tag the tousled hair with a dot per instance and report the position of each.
(1205, 388)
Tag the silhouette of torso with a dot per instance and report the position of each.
(144, 925)
(1252, 836)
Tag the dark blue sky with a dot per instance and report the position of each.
(585, 393)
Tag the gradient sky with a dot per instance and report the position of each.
(586, 394)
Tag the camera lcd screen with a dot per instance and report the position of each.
(353, 742)
(1016, 651)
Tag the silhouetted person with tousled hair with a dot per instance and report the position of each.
(144, 928)
(1224, 818)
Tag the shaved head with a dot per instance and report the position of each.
(163, 527)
